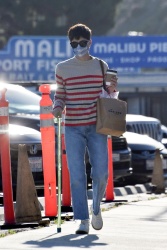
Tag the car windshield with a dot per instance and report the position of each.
(22, 100)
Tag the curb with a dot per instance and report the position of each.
(128, 190)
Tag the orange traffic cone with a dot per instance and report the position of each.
(27, 204)
(66, 190)
(6, 160)
(110, 183)
(48, 151)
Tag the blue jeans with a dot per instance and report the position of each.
(77, 138)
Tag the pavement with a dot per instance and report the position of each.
(135, 219)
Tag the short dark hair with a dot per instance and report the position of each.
(79, 30)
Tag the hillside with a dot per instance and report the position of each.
(147, 16)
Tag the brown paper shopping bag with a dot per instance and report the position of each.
(111, 116)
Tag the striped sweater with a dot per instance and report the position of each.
(79, 85)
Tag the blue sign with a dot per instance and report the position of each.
(31, 58)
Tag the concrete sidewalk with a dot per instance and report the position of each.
(130, 226)
(134, 220)
(120, 193)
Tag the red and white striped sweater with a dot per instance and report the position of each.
(79, 85)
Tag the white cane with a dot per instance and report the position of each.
(59, 175)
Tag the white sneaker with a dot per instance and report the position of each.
(83, 227)
(97, 221)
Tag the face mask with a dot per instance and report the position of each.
(81, 51)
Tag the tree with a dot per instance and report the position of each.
(54, 17)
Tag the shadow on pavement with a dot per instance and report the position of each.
(71, 240)
(158, 216)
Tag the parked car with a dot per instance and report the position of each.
(144, 125)
(32, 139)
(24, 110)
(121, 156)
(23, 106)
(164, 135)
(143, 150)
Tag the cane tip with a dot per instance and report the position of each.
(59, 230)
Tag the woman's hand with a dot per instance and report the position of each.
(112, 85)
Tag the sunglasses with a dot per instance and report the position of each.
(82, 43)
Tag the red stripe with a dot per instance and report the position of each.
(80, 124)
(87, 93)
(81, 99)
(82, 83)
(60, 83)
(74, 109)
(88, 113)
(83, 77)
(59, 77)
(59, 93)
